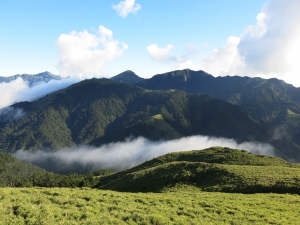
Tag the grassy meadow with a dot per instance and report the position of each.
(179, 205)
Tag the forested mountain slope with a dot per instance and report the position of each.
(268, 99)
(128, 77)
(98, 111)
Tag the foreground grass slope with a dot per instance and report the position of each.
(180, 205)
(213, 169)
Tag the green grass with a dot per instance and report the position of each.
(212, 169)
(157, 117)
(180, 205)
(293, 118)
(218, 155)
(208, 177)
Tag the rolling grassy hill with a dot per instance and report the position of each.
(213, 169)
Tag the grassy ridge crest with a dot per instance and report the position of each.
(212, 169)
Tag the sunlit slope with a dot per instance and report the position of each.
(99, 111)
(184, 205)
(213, 169)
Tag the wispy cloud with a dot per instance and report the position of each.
(9, 114)
(271, 48)
(125, 7)
(122, 155)
(83, 54)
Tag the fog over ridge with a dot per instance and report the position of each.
(131, 152)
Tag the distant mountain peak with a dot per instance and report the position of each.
(127, 76)
(32, 79)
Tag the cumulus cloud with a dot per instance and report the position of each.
(19, 90)
(271, 48)
(122, 155)
(183, 63)
(163, 55)
(9, 91)
(83, 54)
(125, 7)
(225, 60)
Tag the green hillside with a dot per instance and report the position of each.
(16, 173)
(213, 169)
(267, 99)
(270, 100)
(99, 111)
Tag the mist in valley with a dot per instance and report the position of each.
(132, 152)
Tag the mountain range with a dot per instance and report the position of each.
(31, 79)
(166, 106)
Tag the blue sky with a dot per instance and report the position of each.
(221, 37)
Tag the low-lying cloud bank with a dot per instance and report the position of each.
(122, 155)
(19, 90)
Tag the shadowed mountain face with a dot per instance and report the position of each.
(31, 79)
(98, 111)
(128, 77)
(268, 100)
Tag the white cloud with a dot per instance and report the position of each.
(125, 7)
(9, 91)
(122, 155)
(84, 55)
(271, 48)
(162, 55)
(184, 64)
(18, 90)
(225, 59)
